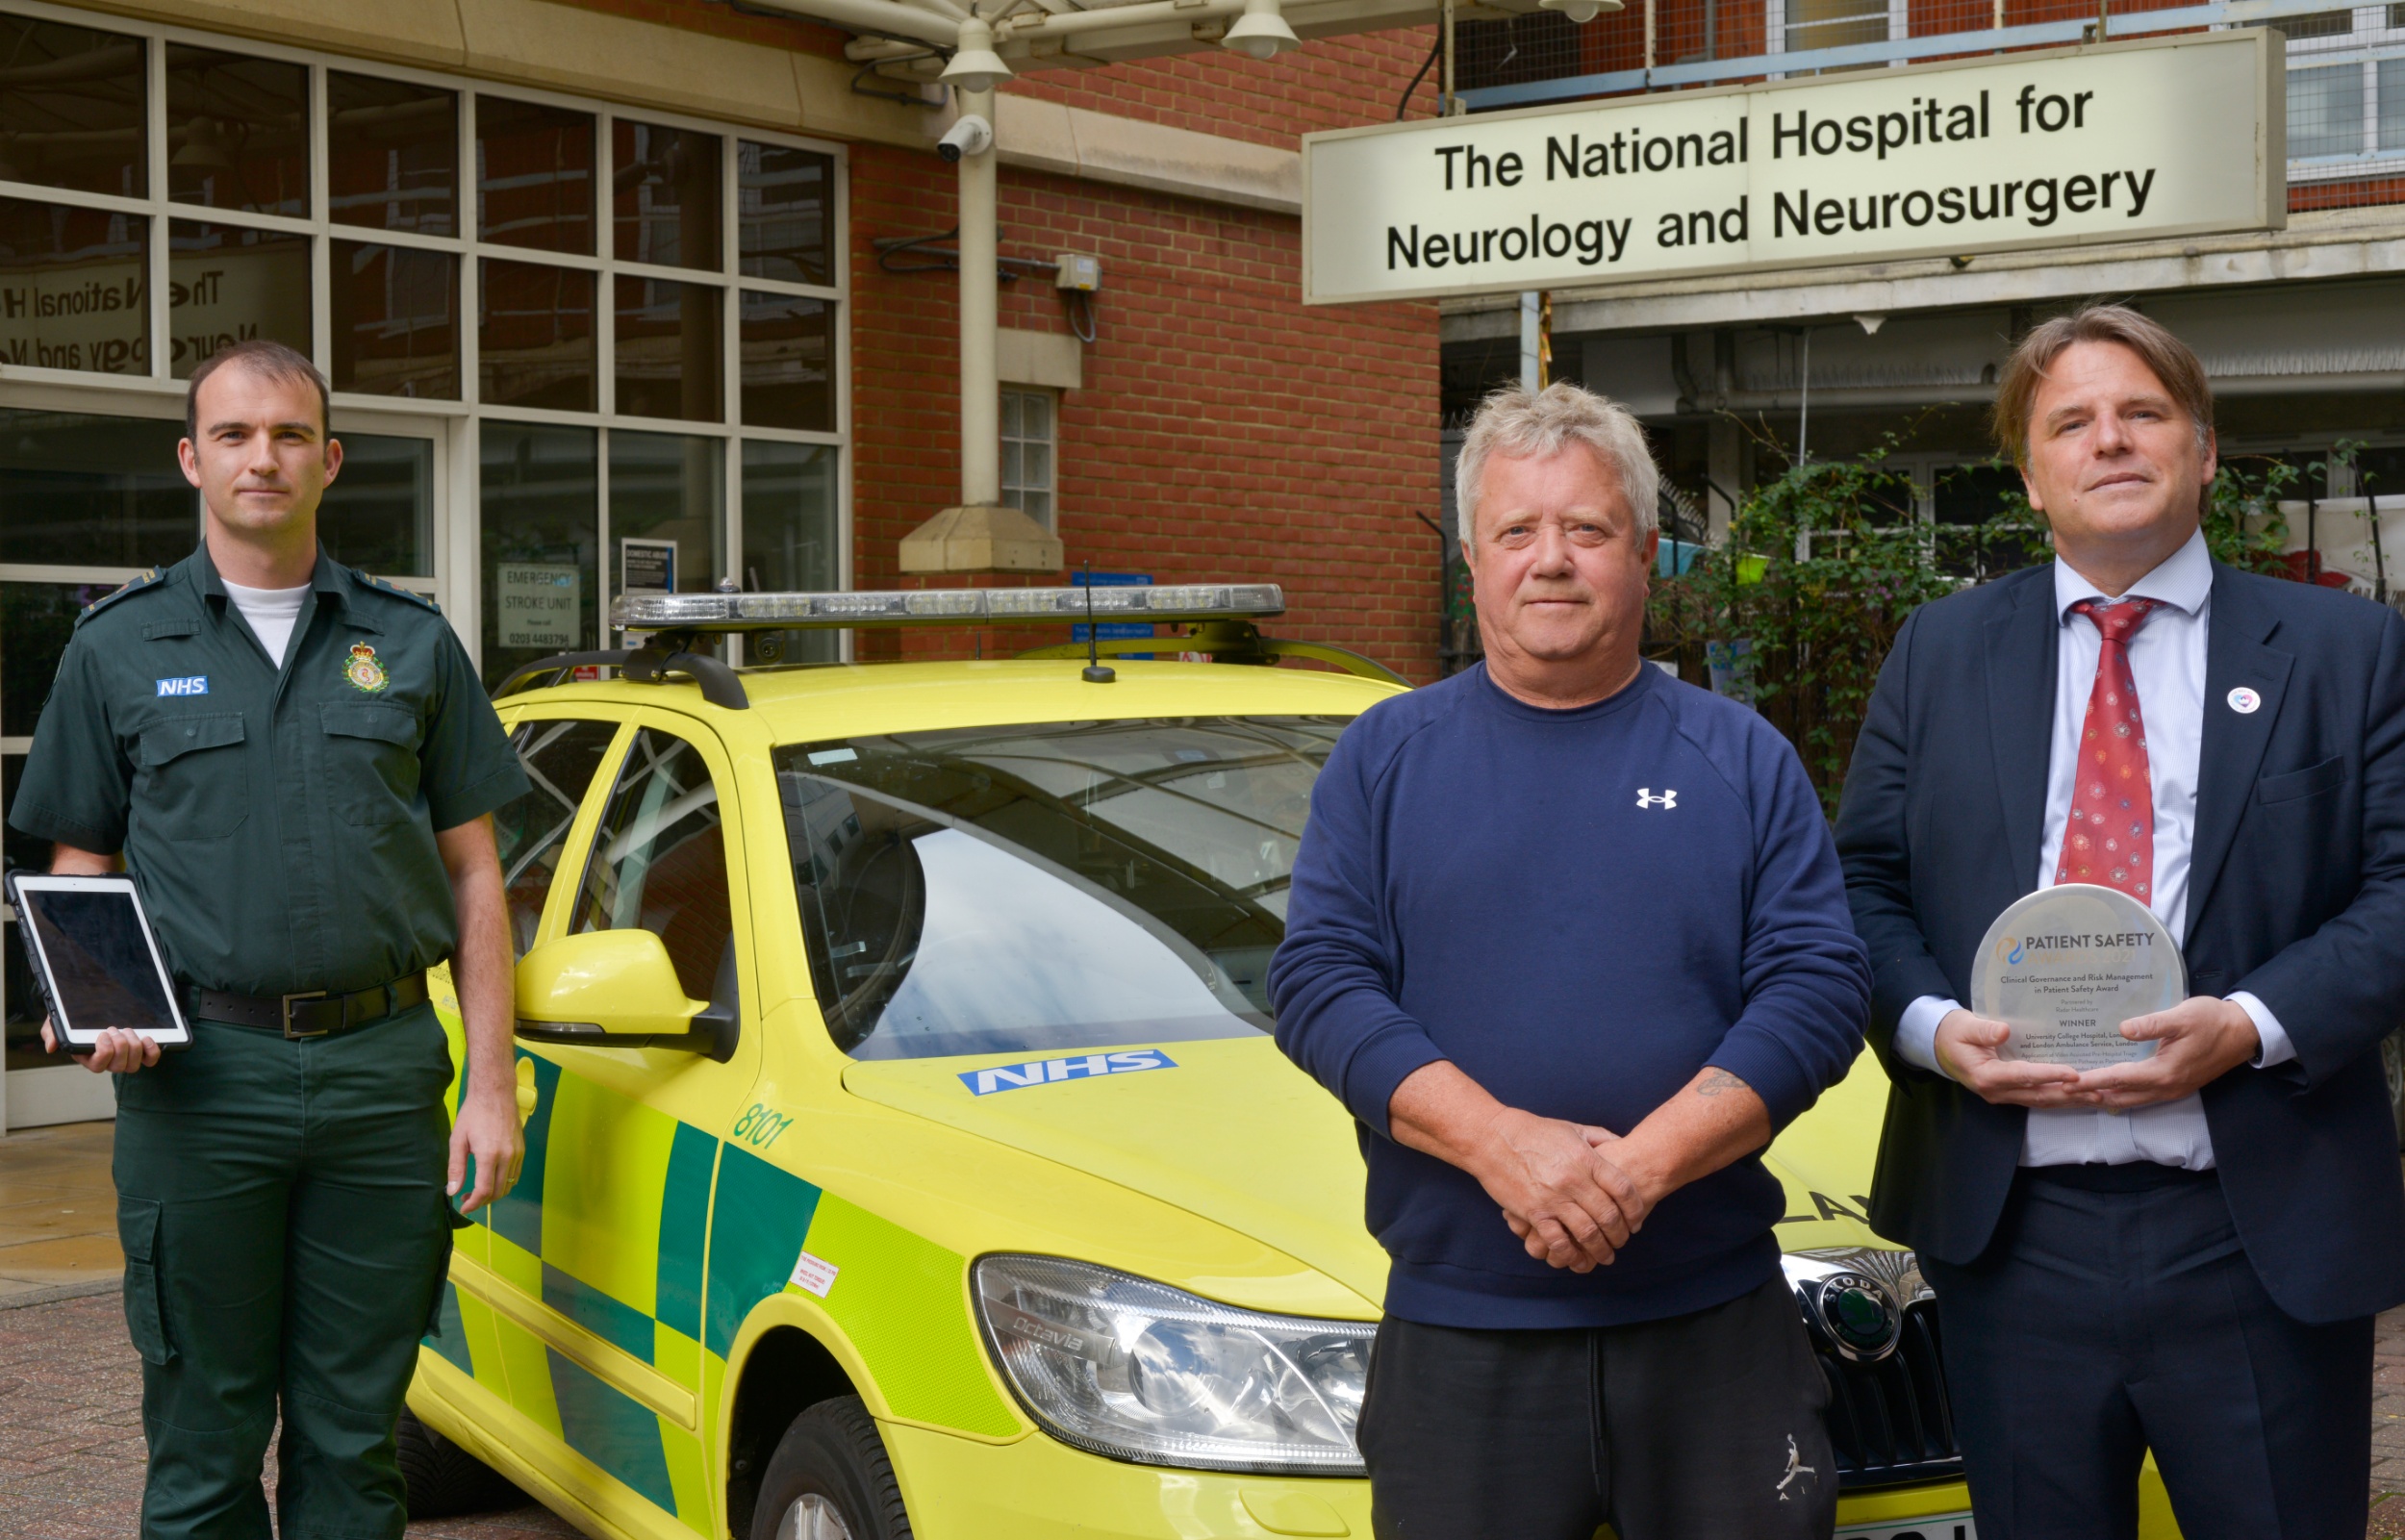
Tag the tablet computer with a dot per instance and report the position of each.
(95, 959)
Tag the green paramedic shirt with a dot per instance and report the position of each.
(280, 823)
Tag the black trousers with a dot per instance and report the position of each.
(1702, 1426)
(2115, 1312)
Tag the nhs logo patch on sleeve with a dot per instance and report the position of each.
(190, 684)
(1044, 1071)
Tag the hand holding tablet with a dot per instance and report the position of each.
(100, 969)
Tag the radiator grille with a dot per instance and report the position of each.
(1890, 1421)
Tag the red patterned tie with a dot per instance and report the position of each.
(2111, 838)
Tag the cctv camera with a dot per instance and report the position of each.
(971, 135)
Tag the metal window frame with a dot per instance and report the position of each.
(454, 425)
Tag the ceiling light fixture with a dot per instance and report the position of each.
(975, 66)
(1261, 32)
(1580, 12)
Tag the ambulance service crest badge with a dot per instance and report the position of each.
(364, 670)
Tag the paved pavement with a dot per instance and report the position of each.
(70, 1391)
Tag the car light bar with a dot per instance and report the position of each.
(971, 606)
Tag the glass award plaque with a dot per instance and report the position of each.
(2067, 966)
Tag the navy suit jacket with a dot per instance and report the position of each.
(2295, 892)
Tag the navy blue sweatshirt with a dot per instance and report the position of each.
(1581, 909)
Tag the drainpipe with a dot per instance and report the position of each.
(980, 388)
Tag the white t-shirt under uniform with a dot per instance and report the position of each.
(271, 613)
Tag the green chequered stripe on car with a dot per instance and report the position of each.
(619, 1214)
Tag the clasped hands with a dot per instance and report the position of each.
(1566, 1199)
(2196, 1042)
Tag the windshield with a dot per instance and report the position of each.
(1061, 886)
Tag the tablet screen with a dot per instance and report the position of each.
(99, 961)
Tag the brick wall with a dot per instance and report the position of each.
(1225, 431)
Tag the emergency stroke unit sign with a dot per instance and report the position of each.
(2071, 146)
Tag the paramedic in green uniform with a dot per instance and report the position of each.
(296, 763)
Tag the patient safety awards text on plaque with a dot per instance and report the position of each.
(2067, 966)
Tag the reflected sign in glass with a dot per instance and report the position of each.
(230, 285)
(74, 288)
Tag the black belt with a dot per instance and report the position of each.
(311, 1013)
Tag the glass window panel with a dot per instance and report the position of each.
(660, 861)
(669, 487)
(788, 379)
(36, 620)
(1835, 23)
(540, 510)
(534, 337)
(81, 490)
(378, 513)
(238, 132)
(668, 204)
(395, 321)
(23, 850)
(782, 199)
(789, 540)
(667, 349)
(71, 107)
(228, 284)
(2393, 101)
(534, 175)
(2325, 111)
(74, 288)
(1027, 468)
(392, 154)
(560, 758)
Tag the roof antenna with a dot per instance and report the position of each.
(1096, 673)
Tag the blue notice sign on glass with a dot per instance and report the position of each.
(1107, 630)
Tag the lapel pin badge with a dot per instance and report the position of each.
(2245, 701)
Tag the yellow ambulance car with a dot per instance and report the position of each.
(907, 1152)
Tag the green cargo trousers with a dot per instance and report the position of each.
(286, 1233)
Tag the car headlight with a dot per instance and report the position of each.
(1121, 1366)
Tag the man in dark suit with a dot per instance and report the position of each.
(2185, 1253)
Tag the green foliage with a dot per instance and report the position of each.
(1821, 625)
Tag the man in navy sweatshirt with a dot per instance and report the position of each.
(1570, 940)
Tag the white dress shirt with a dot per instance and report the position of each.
(2167, 660)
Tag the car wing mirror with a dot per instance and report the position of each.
(617, 989)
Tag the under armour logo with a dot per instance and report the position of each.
(1647, 797)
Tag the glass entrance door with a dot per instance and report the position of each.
(91, 496)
